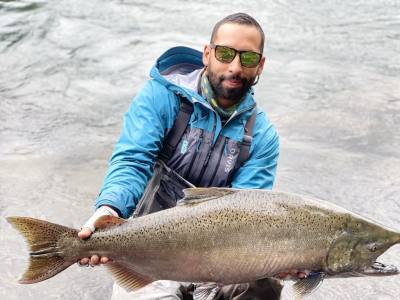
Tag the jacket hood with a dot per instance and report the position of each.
(173, 69)
(179, 69)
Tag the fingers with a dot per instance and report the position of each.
(84, 261)
(282, 275)
(293, 274)
(85, 233)
(104, 260)
(302, 275)
(95, 260)
(92, 261)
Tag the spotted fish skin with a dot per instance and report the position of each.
(233, 236)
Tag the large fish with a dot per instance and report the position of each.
(219, 235)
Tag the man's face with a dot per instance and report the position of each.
(231, 81)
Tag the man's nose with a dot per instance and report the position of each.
(235, 67)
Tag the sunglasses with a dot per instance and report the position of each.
(248, 59)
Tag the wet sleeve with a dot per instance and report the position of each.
(259, 171)
(151, 112)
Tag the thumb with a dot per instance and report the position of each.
(85, 233)
(89, 227)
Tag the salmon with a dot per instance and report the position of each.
(219, 235)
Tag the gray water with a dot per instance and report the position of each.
(69, 69)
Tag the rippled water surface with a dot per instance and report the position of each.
(68, 71)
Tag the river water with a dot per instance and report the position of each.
(69, 69)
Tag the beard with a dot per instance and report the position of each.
(232, 94)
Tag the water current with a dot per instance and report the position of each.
(69, 69)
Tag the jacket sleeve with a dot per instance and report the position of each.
(259, 171)
(151, 112)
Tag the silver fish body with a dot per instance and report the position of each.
(234, 236)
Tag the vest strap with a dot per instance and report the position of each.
(177, 130)
(244, 147)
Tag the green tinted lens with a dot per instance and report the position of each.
(249, 59)
(224, 54)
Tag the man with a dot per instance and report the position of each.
(195, 123)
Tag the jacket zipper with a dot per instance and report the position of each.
(239, 113)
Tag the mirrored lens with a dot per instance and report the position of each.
(224, 54)
(250, 59)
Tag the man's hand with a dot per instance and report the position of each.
(87, 230)
(293, 274)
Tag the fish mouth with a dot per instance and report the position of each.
(380, 269)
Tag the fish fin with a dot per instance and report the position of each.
(206, 291)
(108, 221)
(46, 258)
(126, 277)
(309, 284)
(198, 195)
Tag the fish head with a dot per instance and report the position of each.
(355, 251)
(365, 254)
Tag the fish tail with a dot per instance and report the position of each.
(45, 259)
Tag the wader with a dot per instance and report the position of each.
(190, 153)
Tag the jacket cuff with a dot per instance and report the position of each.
(122, 211)
(113, 208)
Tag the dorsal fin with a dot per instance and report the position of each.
(126, 277)
(195, 196)
(107, 222)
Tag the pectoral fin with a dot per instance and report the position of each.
(195, 196)
(309, 284)
(206, 291)
(126, 277)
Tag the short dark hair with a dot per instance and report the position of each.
(243, 19)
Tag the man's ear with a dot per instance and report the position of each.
(261, 66)
(206, 55)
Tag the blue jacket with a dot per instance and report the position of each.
(152, 113)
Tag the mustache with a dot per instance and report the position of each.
(232, 77)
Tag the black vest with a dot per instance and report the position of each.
(201, 164)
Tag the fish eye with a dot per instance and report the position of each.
(372, 247)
